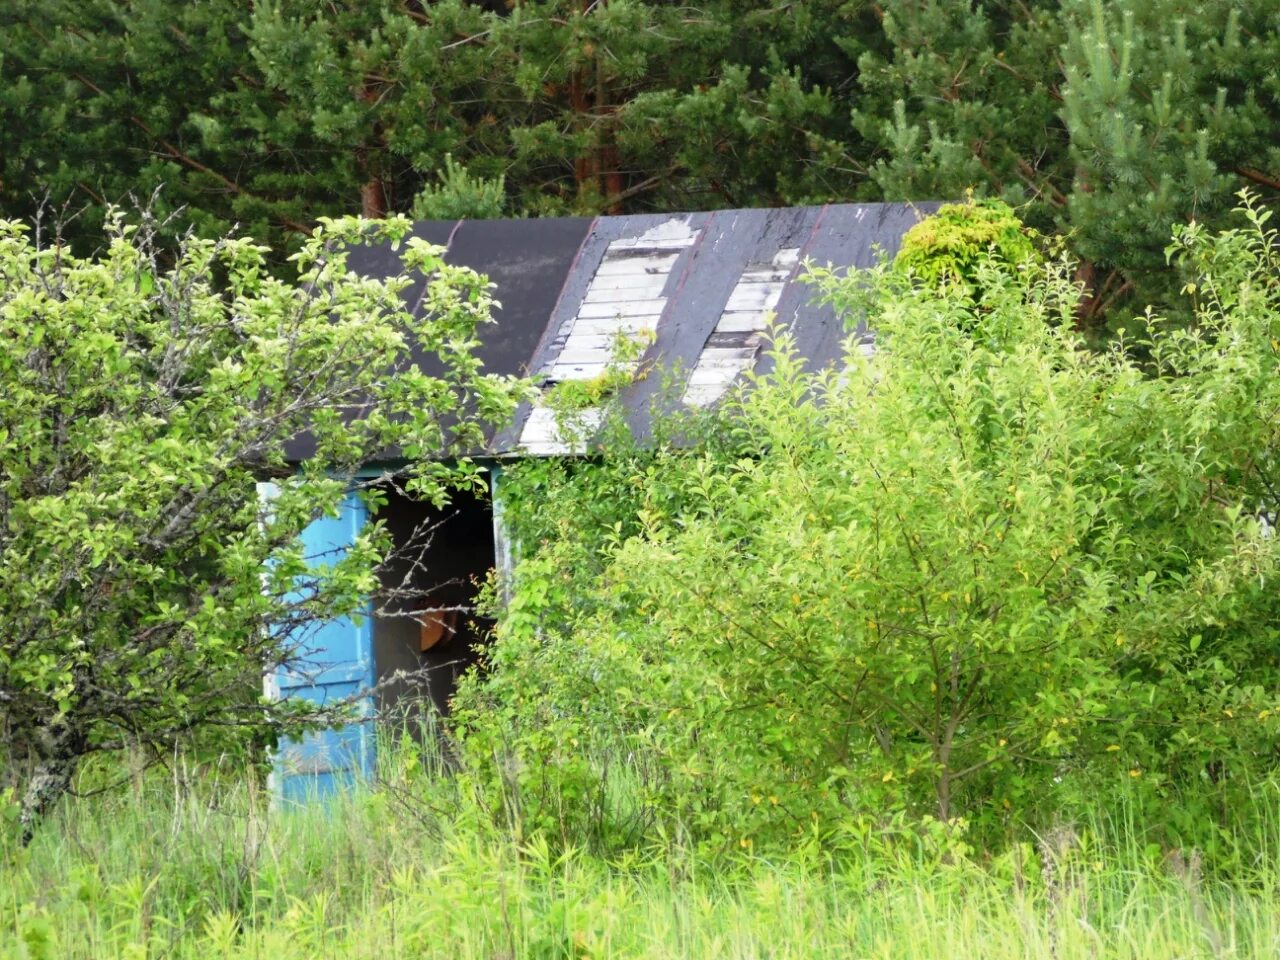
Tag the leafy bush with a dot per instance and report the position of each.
(986, 577)
(949, 247)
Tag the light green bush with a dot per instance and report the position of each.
(986, 579)
(951, 246)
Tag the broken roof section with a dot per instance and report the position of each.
(693, 292)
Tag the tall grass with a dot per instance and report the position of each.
(194, 864)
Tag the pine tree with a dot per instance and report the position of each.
(1171, 107)
(965, 97)
(1109, 124)
(273, 115)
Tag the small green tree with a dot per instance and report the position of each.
(1106, 122)
(458, 195)
(1171, 109)
(143, 587)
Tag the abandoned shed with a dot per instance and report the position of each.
(693, 291)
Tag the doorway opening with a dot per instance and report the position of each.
(426, 628)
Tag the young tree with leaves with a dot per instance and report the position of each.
(144, 589)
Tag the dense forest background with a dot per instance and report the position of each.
(1108, 123)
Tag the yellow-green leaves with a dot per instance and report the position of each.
(945, 581)
(143, 393)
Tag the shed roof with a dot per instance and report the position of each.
(694, 289)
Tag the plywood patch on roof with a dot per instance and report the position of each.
(545, 434)
(733, 344)
(625, 299)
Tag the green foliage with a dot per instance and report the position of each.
(1169, 111)
(193, 864)
(273, 114)
(1109, 122)
(949, 247)
(573, 396)
(458, 195)
(145, 588)
(960, 97)
(1106, 122)
(988, 577)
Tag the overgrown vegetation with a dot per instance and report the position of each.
(569, 397)
(965, 648)
(195, 866)
(988, 579)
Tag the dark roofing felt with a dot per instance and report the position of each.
(696, 287)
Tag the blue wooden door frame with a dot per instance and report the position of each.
(335, 663)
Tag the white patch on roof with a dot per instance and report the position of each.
(625, 297)
(670, 233)
(542, 435)
(735, 341)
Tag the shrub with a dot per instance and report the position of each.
(984, 577)
(948, 248)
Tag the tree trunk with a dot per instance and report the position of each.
(60, 748)
(608, 163)
(373, 200)
(583, 175)
(373, 192)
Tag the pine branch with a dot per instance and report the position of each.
(186, 159)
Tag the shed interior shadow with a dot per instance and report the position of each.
(444, 574)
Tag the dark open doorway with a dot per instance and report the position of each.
(427, 625)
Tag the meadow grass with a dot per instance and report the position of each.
(191, 865)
